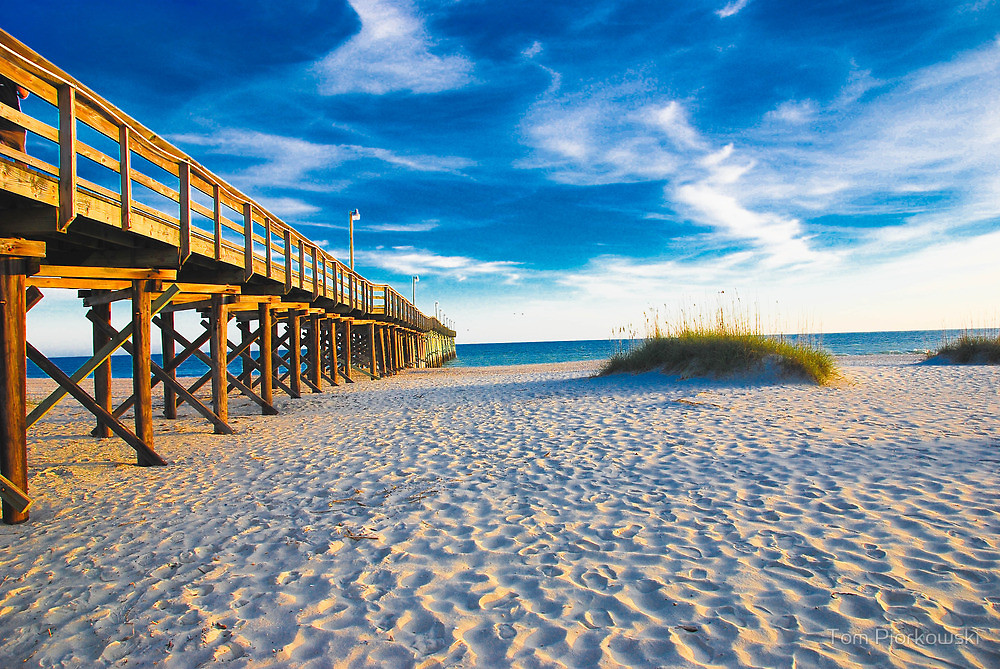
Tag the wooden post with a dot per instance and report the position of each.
(102, 375)
(265, 354)
(125, 170)
(334, 372)
(373, 361)
(141, 369)
(66, 98)
(315, 352)
(348, 358)
(295, 352)
(167, 346)
(184, 247)
(218, 346)
(13, 389)
(247, 241)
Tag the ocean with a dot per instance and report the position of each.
(519, 353)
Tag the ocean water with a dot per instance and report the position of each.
(838, 343)
(520, 353)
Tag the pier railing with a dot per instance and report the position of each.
(93, 160)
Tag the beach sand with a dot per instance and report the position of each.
(526, 516)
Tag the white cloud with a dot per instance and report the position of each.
(423, 226)
(392, 52)
(794, 111)
(295, 163)
(622, 134)
(411, 260)
(288, 207)
(533, 50)
(732, 8)
(672, 119)
(610, 135)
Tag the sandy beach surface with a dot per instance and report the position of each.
(526, 516)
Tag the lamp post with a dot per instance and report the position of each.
(354, 216)
(414, 300)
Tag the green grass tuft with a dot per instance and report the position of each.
(722, 347)
(971, 349)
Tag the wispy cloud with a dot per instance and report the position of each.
(288, 207)
(732, 8)
(919, 149)
(621, 135)
(609, 135)
(392, 52)
(422, 226)
(412, 260)
(297, 163)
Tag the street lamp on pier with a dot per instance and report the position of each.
(354, 216)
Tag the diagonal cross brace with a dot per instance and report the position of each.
(147, 456)
(172, 383)
(88, 367)
(177, 362)
(268, 409)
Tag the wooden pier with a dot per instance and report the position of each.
(150, 226)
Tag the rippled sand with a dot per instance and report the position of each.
(527, 516)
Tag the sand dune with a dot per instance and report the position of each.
(527, 516)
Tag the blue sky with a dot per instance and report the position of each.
(553, 170)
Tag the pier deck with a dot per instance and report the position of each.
(126, 216)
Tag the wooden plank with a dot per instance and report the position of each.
(185, 213)
(67, 156)
(125, 174)
(146, 454)
(85, 185)
(28, 123)
(77, 284)
(111, 273)
(208, 288)
(13, 443)
(22, 248)
(88, 367)
(24, 176)
(14, 497)
(155, 186)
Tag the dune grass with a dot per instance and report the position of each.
(726, 345)
(971, 349)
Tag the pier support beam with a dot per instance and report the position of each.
(13, 384)
(315, 352)
(141, 368)
(346, 352)
(102, 375)
(295, 352)
(167, 346)
(372, 355)
(330, 325)
(265, 356)
(219, 350)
